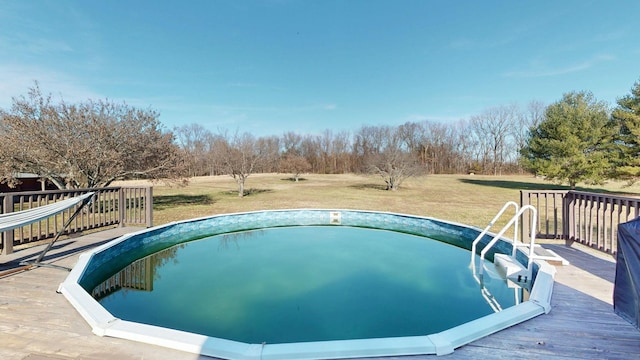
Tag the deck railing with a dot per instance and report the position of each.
(588, 218)
(111, 206)
(550, 205)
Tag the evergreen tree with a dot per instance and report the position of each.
(571, 144)
(627, 118)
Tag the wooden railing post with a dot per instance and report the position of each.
(122, 207)
(149, 206)
(568, 214)
(524, 220)
(7, 207)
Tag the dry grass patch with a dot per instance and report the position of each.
(460, 198)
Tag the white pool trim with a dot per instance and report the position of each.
(104, 323)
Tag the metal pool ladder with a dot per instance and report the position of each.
(508, 265)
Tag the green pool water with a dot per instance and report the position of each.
(306, 283)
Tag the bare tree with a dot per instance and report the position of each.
(269, 147)
(295, 164)
(195, 142)
(326, 151)
(527, 120)
(89, 144)
(492, 130)
(368, 143)
(439, 147)
(334, 151)
(310, 148)
(463, 145)
(413, 134)
(240, 157)
(291, 144)
(435, 147)
(342, 152)
(214, 158)
(389, 157)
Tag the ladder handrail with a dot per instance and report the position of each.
(491, 300)
(491, 223)
(514, 219)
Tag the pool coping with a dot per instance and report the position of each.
(104, 323)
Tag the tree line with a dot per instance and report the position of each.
(488, 143)
(93, 143)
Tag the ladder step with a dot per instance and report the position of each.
(511, 269)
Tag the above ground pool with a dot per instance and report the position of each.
(302, 284)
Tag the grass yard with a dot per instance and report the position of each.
(469, 199)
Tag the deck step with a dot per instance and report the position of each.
(550, 256)
(545, 254)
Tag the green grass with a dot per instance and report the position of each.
(469, 199)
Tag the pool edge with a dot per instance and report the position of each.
(445, 342)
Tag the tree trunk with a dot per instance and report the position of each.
(240, 187)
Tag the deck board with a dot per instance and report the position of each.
(38, 323)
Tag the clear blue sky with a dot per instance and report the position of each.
(267, 67)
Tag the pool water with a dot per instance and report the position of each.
(304, 283)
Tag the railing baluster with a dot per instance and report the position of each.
(583, 218)
(546, 212)
(599, 240)
(554, 216)
(612, 225)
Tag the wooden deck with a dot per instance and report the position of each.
(36, 323)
